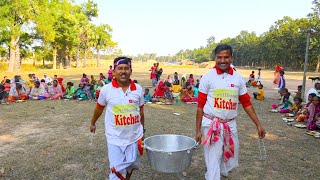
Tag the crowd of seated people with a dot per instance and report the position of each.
(19, 90)
(307, 114)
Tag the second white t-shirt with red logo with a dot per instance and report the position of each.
(122, 118)
(223, 91)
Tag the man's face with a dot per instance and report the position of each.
(37, 85)
(45, 76)
(223, 60)
(122, 73)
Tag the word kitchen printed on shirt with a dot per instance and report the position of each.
(126, 114)
(225, 98)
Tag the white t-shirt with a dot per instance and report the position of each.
(223, 91)
(122, 118)
(312, 90)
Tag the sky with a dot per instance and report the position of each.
(166, 26)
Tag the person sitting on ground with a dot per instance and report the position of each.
(98, 88)
(110, 74)
(92, 79)
(314, 110)
(38, 92)
(7, 86)
(176, 89)
(302, 115)
(183, 81)
(69, 91)
(43, 83)
(196, 89)
(17, 92)
(176, 77)
(169, 79)
(161, 88)
(30, 82)
(286, 102)
(315, 89)
(146, 95)
(87, 89)
(188, 94)
(55, 90)
(47, 80)
(3, 94)
(84, 78)
(191, 80)
(60, 79)
(168, 95)
(298, 93)
(260, 94)
(297, 107)
(80, 93)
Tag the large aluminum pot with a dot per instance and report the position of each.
(169, 153)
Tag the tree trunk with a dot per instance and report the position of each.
(98, 58)
(85, 57)
(17, 58)
(66, 57)
(60, 54)
(318, 64)
(11, 56)
(43, 62)
(54, 57)
(14, 60)
(78, 63)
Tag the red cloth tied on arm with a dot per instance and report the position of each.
(202, 99)
(245, 100)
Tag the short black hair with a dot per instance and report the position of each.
(223, 47)
(312, 94)
(7, 80)
(42, 80)
(37, 83)
(298, 98)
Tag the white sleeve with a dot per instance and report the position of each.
(102, 100)
(141, 99)
(242, 88)
(204, 84)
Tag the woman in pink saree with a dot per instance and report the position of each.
(55, 90)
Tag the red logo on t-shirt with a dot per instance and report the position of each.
(232, 85)
(130, 101)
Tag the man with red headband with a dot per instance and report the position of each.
(124, 120)
(220, 91)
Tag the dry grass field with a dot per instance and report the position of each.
(51, 140)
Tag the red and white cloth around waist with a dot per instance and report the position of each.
(213, 135)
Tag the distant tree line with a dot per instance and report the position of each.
(58, 30)
(283, 43)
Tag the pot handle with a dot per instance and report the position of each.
(196, 146)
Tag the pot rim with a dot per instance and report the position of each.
(157, 150)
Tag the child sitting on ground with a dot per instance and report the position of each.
(303, 113)
(260, 94)
(69, 91)
(286, 102)
(176, 89)
(188, 94)
(298, 93)
(7, 86)
(168, 95)
(146, 95)
(297, 107)
(80, 93)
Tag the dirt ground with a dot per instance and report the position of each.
(50, 139)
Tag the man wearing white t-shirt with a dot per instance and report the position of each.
(124, 120)
(315, 89)
(220, 91)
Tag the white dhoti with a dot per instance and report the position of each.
(214, 154)
(123, 159)
(175, 94)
